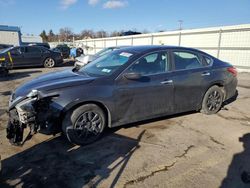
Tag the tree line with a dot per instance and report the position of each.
(67, 35)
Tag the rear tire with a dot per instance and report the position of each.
(84, 125)
(212, 100)
(49, 62)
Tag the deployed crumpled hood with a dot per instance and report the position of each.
(54, 80)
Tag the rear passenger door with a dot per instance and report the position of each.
(33, 55)
(190, 79)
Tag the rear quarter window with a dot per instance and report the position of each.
(207, 60)
(184, 60)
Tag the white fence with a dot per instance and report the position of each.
(229, 43)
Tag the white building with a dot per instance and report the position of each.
(10, 35)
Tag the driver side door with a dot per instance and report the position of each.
(146, 97)
(16, 55)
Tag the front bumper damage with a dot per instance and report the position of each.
(37, 111)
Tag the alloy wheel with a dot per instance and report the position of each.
(214, 101)
(88, 126)
(49, 62)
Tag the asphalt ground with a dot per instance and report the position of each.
(186, 150)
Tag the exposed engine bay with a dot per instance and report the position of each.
(36, 112)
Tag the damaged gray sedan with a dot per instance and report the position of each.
(127, 85)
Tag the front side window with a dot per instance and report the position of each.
(107, 64)
(154, 63)
(186, 60)
(16, 51)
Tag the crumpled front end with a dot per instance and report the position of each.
(36, 111)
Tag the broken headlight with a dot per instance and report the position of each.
(26, 110)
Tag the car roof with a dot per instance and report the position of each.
(146, 48)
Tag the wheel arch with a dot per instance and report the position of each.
(220, 84)
(73, 106)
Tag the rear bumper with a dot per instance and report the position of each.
(230, 89)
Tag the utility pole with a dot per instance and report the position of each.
(180, 24)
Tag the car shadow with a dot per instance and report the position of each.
(238, 174)
(57, 163)
(231, 100)
(5, 93)
(18, 75)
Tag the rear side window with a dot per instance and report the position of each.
(186, 60)
(32, 50)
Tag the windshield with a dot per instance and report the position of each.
(106, 64)
(103, 52)
(5, 50)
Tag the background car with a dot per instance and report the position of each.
(27, 56)
(63, 49)
(85, 59)
(127, 85)
(76, 52)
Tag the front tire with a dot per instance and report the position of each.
(49, 62)
(84, 125)
(212, 100)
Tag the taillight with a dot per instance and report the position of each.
(232, 70)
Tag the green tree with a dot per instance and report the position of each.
(51, 36)
(44, 36)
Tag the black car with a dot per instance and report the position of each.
(63, 49)
(27, 56)
(124, 86)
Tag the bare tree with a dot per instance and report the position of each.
(145, 31)
(101, 34)
(87, 34)
(115, 34)
(66, 34)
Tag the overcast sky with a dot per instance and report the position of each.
(35, 15)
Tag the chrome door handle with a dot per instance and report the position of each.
(167, 82)
(205, 74)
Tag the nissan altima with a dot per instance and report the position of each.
(127, 85)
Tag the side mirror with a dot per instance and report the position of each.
(132, 76)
